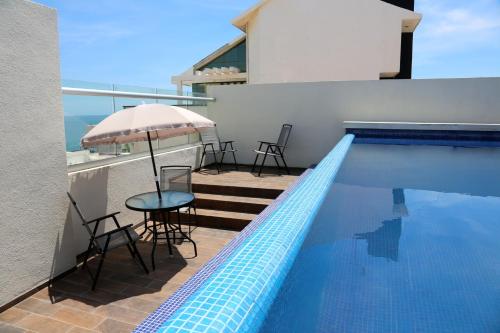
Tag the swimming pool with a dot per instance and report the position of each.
(377, 238)
(407, 240)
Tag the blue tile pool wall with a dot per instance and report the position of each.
(238, 294)
(165, 311)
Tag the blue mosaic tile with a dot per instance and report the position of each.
(167, 309)
(236, 289)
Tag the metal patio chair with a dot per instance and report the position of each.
(108, 240)
(178, 178)
(276, 150)
(213, 145)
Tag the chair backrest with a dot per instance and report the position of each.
(176, 178)
(75, 205)
(210, 135)
(80, 214)
(286, 129)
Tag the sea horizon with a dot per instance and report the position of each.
(75, 127)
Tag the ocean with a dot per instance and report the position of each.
(76, 127)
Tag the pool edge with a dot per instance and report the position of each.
(251, 290)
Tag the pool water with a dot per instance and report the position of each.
(408, 240)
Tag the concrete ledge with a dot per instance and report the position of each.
(112, 161)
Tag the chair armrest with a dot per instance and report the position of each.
(208, 144)
(103, 217)
(109, 233)
(276, 145)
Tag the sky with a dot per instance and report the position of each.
(145, 42)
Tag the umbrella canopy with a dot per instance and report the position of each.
(133, 125)
(146, 122)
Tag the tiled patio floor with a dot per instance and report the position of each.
(125, 295)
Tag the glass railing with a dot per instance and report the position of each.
(83, 112)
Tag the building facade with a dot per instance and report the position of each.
(312, 41)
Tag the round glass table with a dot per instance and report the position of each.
(171, 201)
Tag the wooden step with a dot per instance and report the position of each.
(231, 203)
(220, 219)
(239, 191)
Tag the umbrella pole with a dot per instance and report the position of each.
(154, 167)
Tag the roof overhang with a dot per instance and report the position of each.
(411, 22)
(242, 20)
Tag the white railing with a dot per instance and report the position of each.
(112, 93)
(102, 155)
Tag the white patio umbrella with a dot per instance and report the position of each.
(146, 122)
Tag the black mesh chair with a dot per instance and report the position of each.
(106, 241)
(276, 150)
(212, 145)
(178, 178)
(175, 178)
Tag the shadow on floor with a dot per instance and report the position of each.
(121, 277)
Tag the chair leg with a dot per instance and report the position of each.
(202, 157)
(235, 163)
(215, 160)
(99, 267)
(284, 162)
(222, 159)
(86, 257)
(255, 162)
(139, 257)
(132, 253)
(263, 162)
(277, 163)
(186, 236)
(195, 217)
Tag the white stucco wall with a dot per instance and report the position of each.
(318, 40)
(249, 113)
(33, 178)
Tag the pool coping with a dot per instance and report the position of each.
(155, 320)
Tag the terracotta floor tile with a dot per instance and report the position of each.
(35, 305)
(114, 326)
(125, 295)
(78, 317)
(6, 328)
(13, 315)
(79, 303)
(42, 324)
(122, 314)
(81, 330)
(139, 304)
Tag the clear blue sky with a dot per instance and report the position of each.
(145, 42)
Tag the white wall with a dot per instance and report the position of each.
(248, 113)
(33, 176)
(323, 40)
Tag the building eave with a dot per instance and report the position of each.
(241, 21)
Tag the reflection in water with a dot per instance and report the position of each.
(398, 200)
(384, 242)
